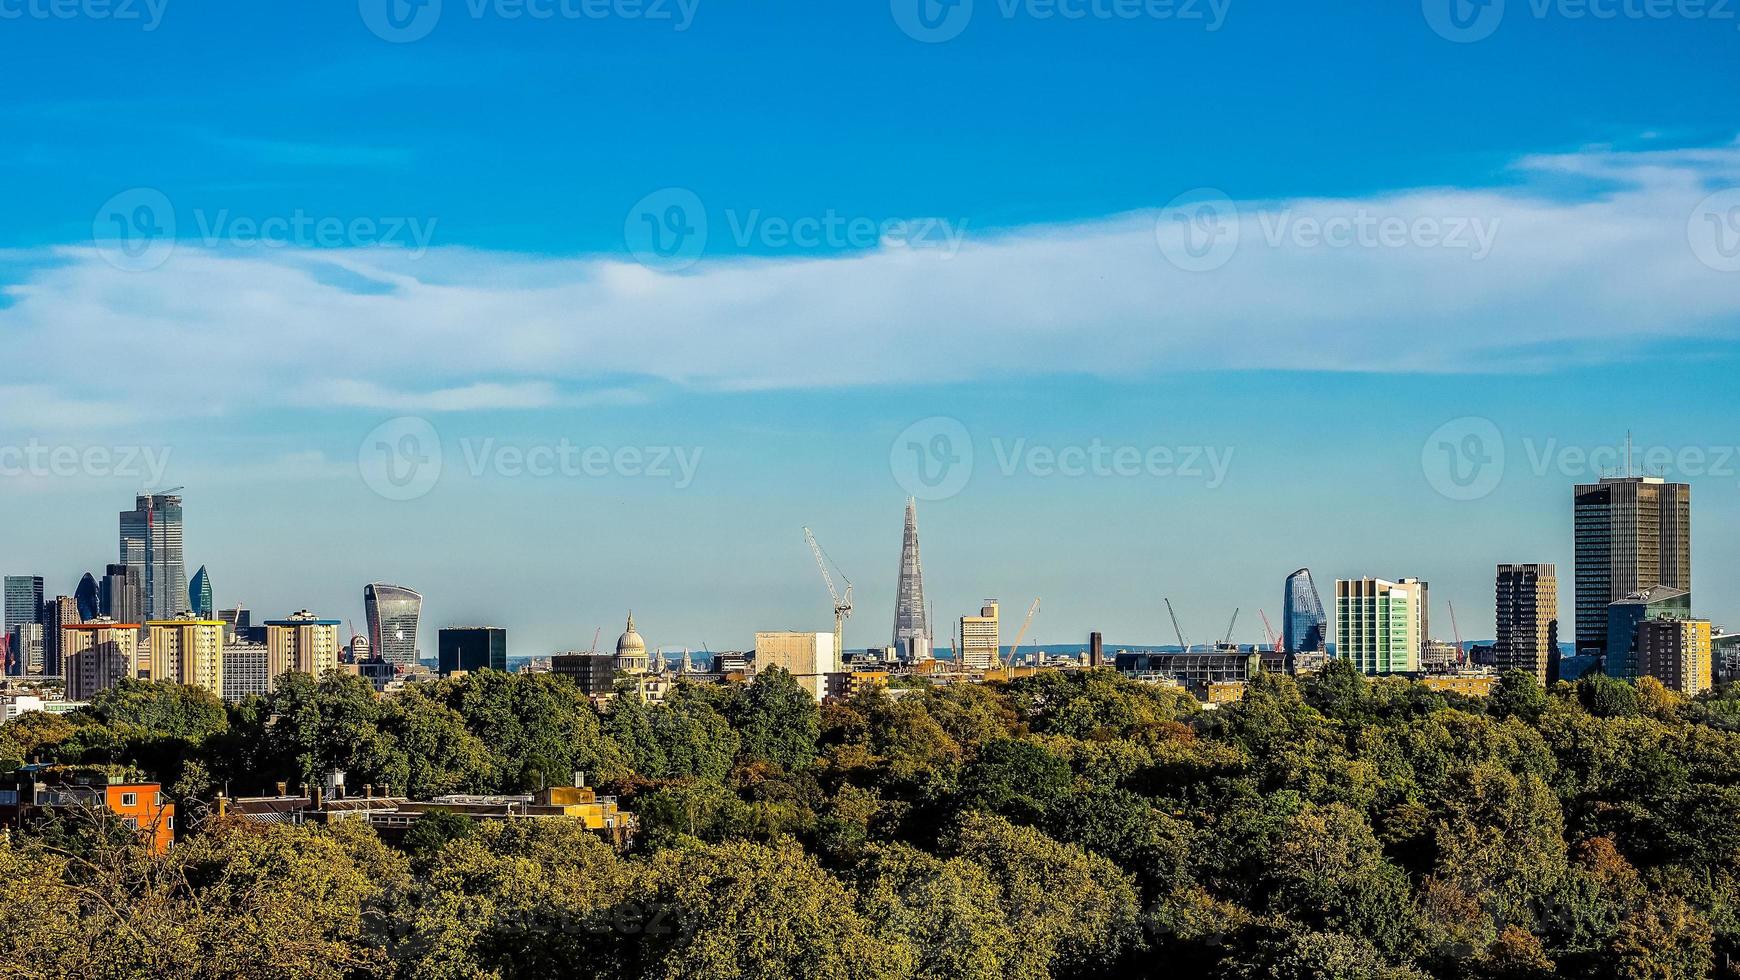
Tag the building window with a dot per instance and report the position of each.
(129, 799)
(131, 822)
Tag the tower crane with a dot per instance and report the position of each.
(1182, 643)
(1461, 658)
(1229, 629)
(1026, 623)
(842, 603)
(1274, 641)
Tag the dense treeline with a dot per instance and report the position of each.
(1065, 825)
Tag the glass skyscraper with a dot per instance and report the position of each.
(151, 541)
(87, 597)
(1304, 627)
(393, 613)
(23, 600)
(199, 594)
(1633, 534)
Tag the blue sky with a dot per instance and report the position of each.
(1005, 208)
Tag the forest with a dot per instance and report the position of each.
(1067, 825)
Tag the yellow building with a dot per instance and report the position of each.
(304, 643)
(980, 639)
(1225, 692)
(1470, 685)
(187, 651)
(810, 657)
(1675, 652)
(97, 655)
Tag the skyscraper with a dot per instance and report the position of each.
(187, 651)
(122, 597)
(1304, 627)
(199, 594)
(1528, 620)
(1379, 625)
(23, 600)
(57, 615)
(393, 614)
(87, 599)
(98, 655)
(151, 541)
(912, 635)
(1633, 534)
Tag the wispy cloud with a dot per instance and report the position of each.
(1537, 278)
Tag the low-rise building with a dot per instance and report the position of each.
(1474, 684)
(37, 790)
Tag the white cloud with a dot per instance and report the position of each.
(1566, 278)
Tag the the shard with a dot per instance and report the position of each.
(912, 636)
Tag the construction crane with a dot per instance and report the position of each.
(1461, 658)
(1229, 629)
(595, 634)
(1028, 622)
(842, 603)
(1274, 641)
(1183, 644)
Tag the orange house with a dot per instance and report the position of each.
(35, 790)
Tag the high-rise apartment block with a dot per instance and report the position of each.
(187, 651)
(304, 643)
(1623, 618)
(981, 639)
(1633, 534)
(246, 671)
(1676, 652)
(810, 657)
(151, 542)
(1528, 620)
(98, 655)
(1381, 626)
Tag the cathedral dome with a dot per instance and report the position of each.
(631, 650)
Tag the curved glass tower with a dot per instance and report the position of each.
(393, 613)
(89, 603)
(199, 594)
(1304, 627)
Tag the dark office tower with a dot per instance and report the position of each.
(151, 541)
(23, 600)
(1304, 627)
(199, 594)
(123, 594)
(1527, 619)
(393, 613)
(912, 636)
(472, 648)
(87, 598)
(1096, 650)
(58, 614)
(1633, 533)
